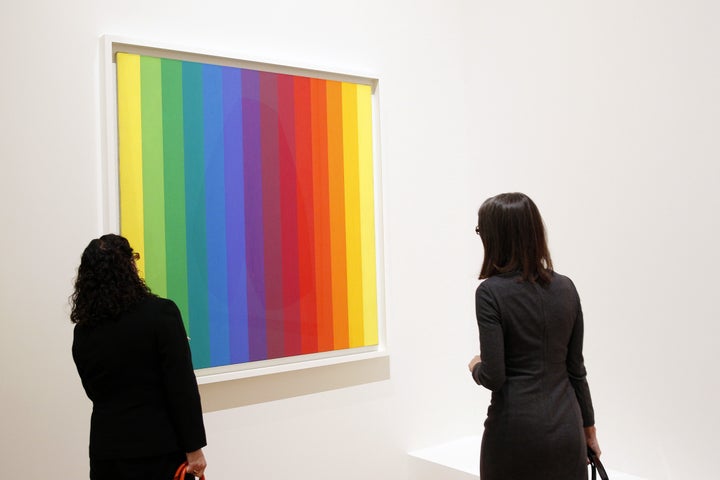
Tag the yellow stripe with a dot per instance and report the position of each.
(352, 215)
(367, 214)
(130, 153)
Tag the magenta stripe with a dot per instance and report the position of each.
(271, 214)
(289, 216)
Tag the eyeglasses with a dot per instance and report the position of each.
(477, 229)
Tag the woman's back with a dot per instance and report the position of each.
(531, 337)
(138, 374)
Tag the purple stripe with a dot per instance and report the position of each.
(252, 170)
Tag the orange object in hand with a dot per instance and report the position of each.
(182, 471)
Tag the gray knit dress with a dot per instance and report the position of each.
(531, 340)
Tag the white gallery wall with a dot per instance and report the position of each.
(606, 113)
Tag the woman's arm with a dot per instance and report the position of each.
(179, 379)
(575, 364)
(577, 374)
(490, 370)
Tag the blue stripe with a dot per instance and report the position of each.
(215, 215)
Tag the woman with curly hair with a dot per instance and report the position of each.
(133, 357)
(541, 421)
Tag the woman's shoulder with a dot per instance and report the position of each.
(500, 280)
(513, 280)
(560, 280)
(153, 301)
(154, 306)
(494, 288)
(156, 313)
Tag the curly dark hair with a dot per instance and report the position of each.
(107, 282)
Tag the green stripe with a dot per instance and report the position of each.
(174, 156)
(153, 184)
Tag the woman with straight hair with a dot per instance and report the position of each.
(133, 357)
(540, 422)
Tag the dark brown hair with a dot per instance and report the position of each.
(513, 235)
(107, 282)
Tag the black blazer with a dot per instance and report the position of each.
(138, 373)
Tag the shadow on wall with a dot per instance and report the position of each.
(276, 386)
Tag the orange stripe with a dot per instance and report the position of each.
(337, 214)
(318, 100)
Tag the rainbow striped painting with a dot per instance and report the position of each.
(250, 198)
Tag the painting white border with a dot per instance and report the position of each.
(110, 210)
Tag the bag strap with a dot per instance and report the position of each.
(597, 466)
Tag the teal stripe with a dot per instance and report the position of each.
(195, 213)
(174, 161)
(153, 185)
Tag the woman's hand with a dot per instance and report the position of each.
(591, 439)
(476, 359)
(196, 463)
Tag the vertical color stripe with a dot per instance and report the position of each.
(323, 270)
(352, 215)
(153, 181)
(337, 215)
(130, 153)
(306, 214)
(367, 215)
(174, 176)
(271, 213)
(252, 176)
(215, 215)
(235, 216)
(193, 129)
(289, 303)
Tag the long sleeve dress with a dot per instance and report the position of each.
(531, 340)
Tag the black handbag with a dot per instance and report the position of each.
(596, 466)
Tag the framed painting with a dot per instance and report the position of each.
(252, 193)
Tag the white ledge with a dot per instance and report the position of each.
(460, 460)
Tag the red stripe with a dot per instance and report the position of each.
(306, 214)
(288, 214)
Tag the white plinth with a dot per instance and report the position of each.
(460, 460)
